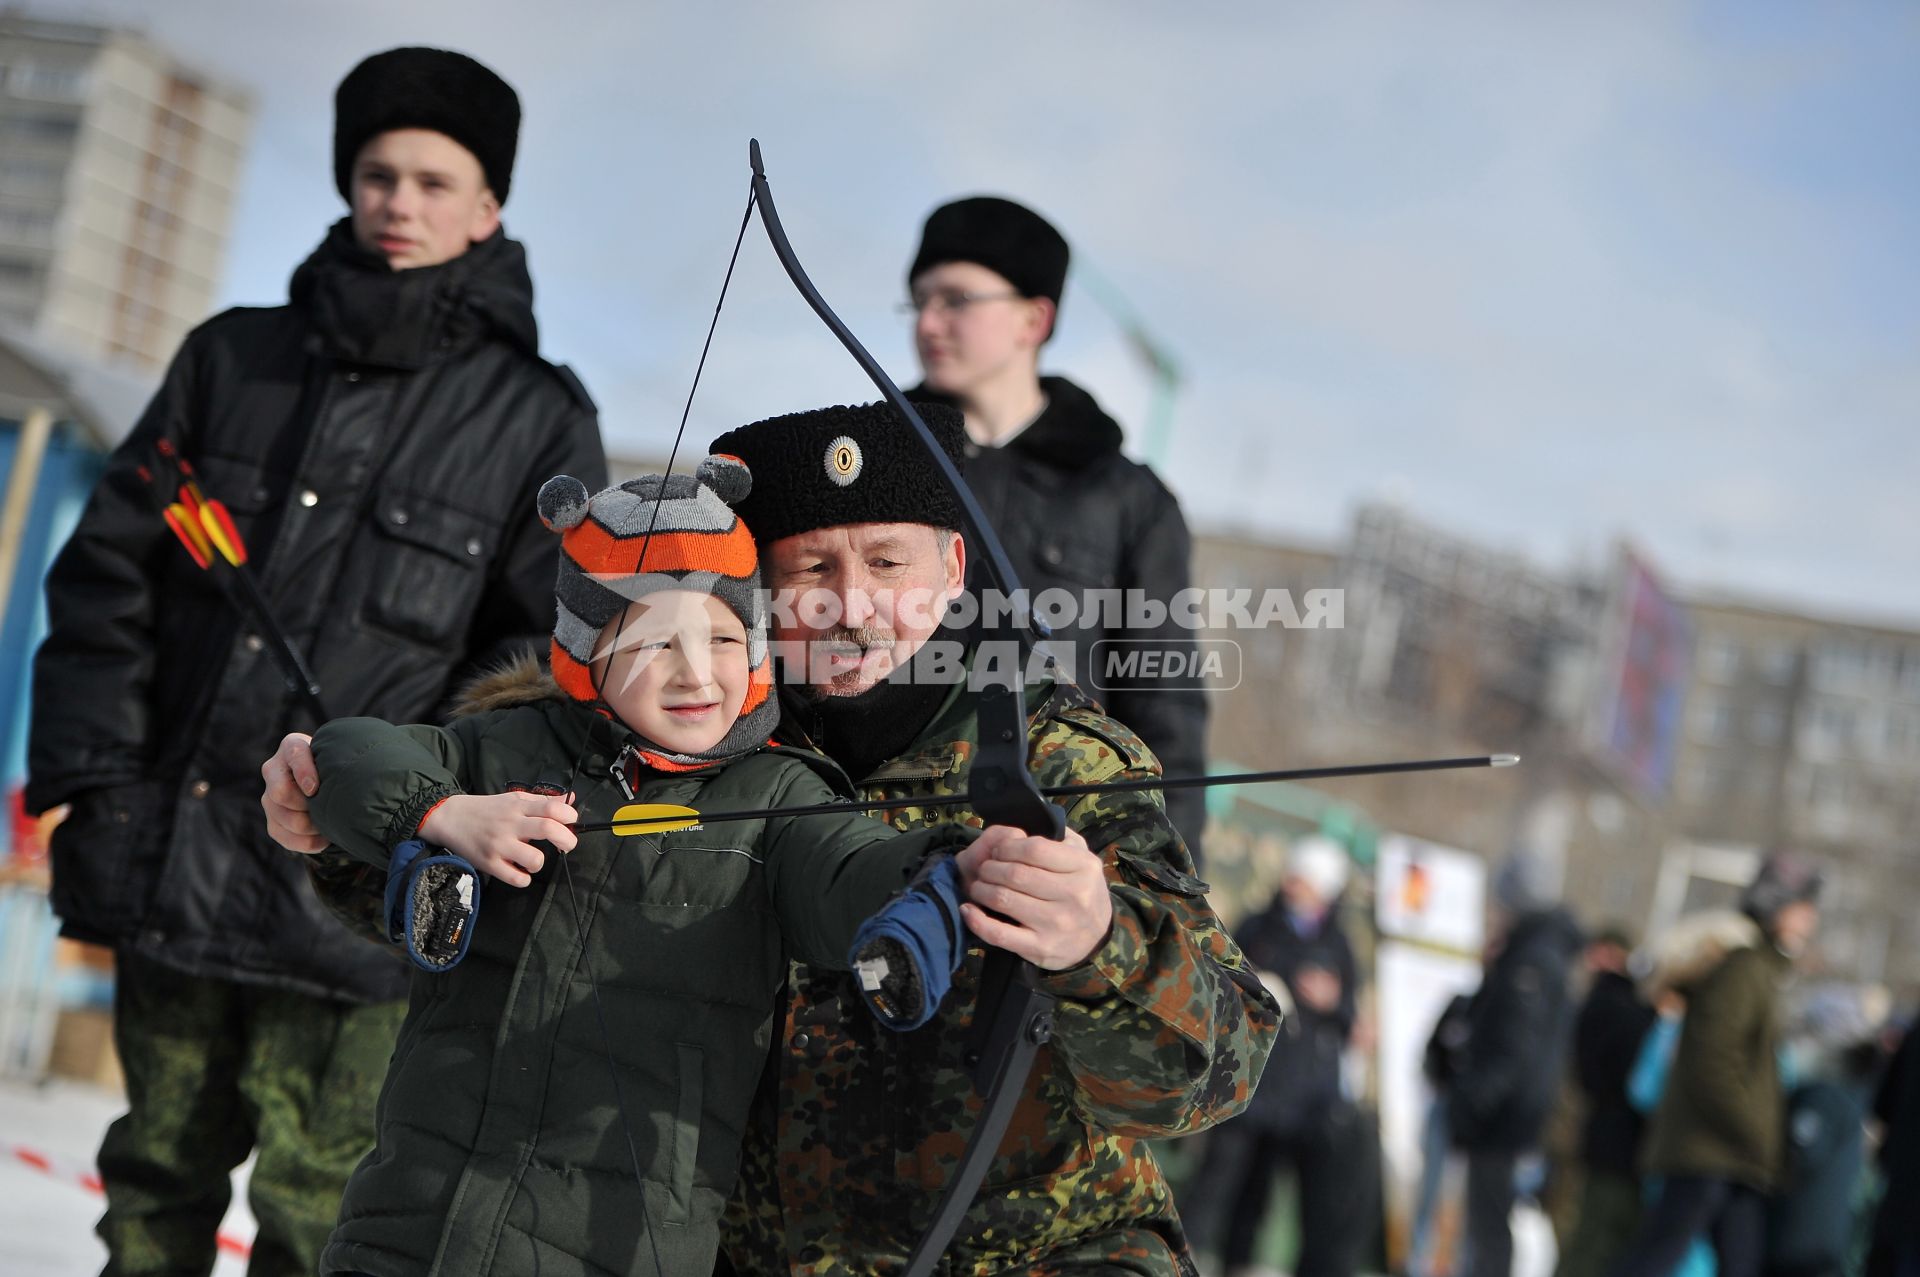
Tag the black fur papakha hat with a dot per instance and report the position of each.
(438, 89)
(830, 466)
(1008, 238)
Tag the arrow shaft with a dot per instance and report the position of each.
(277, 636)
(1075, 791)
(1295, 773)
(284, 652)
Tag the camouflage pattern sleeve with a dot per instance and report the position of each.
(352, 890)
(377, 781)
(1165, 1028)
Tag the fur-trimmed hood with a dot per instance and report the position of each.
(1696, 945)
(520, 681)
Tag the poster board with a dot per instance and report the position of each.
(1431, 910)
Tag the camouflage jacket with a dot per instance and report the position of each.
(1162, 1031)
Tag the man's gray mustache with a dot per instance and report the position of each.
(854, 642)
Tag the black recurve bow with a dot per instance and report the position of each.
(1016, 1013)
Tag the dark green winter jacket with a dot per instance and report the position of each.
(1723, 1115)
(502, 1147)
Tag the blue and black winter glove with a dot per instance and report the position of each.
(433, 896)
(904, 957)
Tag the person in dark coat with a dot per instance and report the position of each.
(1896, 1230)
(1718, 1139)
(378, 441)
(1439, 1062)
(1607, 1033)
(1509, 1070)
(1044, 461)
(1299, 1116)
(1834, 1061)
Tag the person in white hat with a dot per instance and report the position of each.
(1299, 1117)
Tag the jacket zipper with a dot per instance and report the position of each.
(618, 769)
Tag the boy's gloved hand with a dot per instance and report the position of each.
(433, 897)
(904, 957)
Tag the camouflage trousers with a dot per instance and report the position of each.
(215, 1069)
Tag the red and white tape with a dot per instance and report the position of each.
(88, 1178)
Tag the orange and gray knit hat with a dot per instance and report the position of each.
(645, 536)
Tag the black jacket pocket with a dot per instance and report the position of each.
(431, 570)
(106, 857)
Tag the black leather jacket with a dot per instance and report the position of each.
(1518, 1027)
(1076, 514)
(379, 441)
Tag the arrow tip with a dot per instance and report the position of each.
(1503, 760)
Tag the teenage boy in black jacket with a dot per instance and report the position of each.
(1044, 461)
(379, 441)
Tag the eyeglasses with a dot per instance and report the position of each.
(953, 301)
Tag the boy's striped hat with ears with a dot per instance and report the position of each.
(644, 536)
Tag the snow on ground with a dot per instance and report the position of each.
(49, 1133)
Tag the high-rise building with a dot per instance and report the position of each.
(118, 173)
(1803, 732)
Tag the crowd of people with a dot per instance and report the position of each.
(753, 1046)
(1728, 1118)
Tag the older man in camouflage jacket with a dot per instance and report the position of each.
(1161, 1028)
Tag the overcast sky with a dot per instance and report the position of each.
(1546, 274)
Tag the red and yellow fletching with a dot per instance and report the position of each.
(222, 532)
(185, 527)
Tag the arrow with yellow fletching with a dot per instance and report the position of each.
(665, 818)
(187, 530)
(206, 529)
